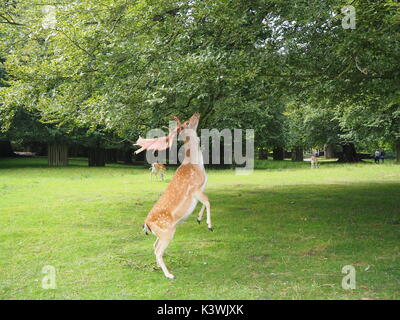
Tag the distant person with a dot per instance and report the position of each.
(383, 155)
(377, 156)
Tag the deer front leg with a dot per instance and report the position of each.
(202, 197)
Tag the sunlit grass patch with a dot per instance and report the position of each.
(279, 234)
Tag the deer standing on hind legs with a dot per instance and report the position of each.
(183, 192)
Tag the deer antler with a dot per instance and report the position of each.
(180, 197)
(160, 143)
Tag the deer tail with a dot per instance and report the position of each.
(146, 229)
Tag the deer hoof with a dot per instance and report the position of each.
(211, 229)
(198, 221)
(170, 276)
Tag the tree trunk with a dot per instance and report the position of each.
(39, 148)
(348, 154)
(128, 156)
(125, 154)
(329, 151)
(278, 153)
(77, 151)
(57, 154)
(137, 157)
(398, 151)
(111, 155)
(97, 157)
(297, 154)
(6, 149)
(263, 154)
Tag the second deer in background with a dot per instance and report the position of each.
(157, 169)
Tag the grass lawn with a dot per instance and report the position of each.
(278, 233)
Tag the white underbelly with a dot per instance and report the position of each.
(189, 210)
(205, 182)
(193, 204)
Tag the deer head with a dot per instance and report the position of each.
(165, 142)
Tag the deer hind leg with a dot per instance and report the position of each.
(200, 216)
(202, 197)
(162, 244)
(156, 243)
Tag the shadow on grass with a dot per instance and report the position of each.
(332, 203)
(355, 219)
(31, 162)
(292, 241)
(41, 162)
(269, 241)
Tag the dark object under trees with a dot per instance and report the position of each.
(398, 151)
(111, 156)
(263, 154)
(128, 153)
(6, 149)
(140, 157)
(38, 148)
(126, 156)
(97, 157)
(57, 154)
(348, 153)
(278, 153)
(329, 151)
(362, 156)
(297, 154)
(76, 151)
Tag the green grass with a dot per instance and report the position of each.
(284, 232)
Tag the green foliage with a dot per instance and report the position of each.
(123, 67)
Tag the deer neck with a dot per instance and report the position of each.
(193, 153)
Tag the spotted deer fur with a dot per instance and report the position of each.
(181, 195)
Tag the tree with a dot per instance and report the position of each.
(6, 149)
(26, 129)
(119, 65)
(296, 131)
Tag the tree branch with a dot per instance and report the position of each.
(8, 21)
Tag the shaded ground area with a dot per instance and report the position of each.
(278, 234)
